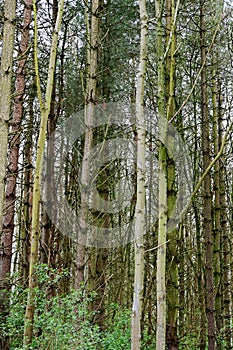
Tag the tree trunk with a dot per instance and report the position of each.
(162, 230)
(10, 195)
(207, 202)
(225, 238)
(5, 104)
(25, 227)
(217, 209)
(45, 108)
(92, 35)
(200, 251)
(141, 172)
(48, 232)
(172, 248)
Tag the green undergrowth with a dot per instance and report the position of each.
(65, 322)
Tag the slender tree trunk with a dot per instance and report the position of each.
(45, 108)
(10, 195)
(5, 104)
(162, 229)
(172, 249)
(207, 202)
(92, 34)
(98, 266)
(200, 253)
(141, 170)
(201, 290)
(48, 232)
(25, 227)
(5, 82)
(107, 75)
(217, 209)
(98, 256)
(225, 238)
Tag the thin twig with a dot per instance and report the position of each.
(158, 246)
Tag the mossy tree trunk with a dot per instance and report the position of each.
(172, 248)
(35, 231)
(162, 229)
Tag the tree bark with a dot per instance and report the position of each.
(162, 229)
(92, 34)
(141, 172)
(217, 208)
(172, 248)
(25, 227)
(207, 202)
(225, 237)
(5, 104)
(10, 195)
(35, 234)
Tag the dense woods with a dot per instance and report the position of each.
(116, 181)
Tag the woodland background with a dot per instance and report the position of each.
(168, 289)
